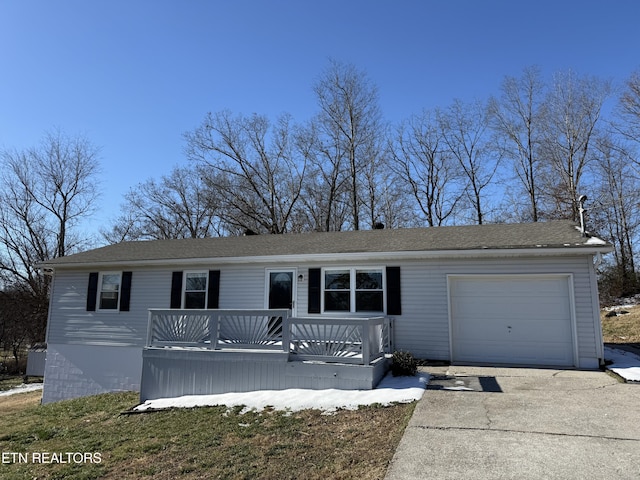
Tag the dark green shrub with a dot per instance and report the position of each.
(403, 364)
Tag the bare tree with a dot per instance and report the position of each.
(382, 199)
(348, 126)
(178, 206)
(616, 215)
(21, 315)
(427, 168)
(325, 199)
(464, 131)
(629, 108)
(252, 166)
(517, 118)
(574, 106)
(393, 208)
(46, 191)
(59, 177)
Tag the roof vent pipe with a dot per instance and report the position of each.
(581, 200)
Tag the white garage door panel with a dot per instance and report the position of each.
(512, 320)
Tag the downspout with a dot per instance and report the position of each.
(597, 260)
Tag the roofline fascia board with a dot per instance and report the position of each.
(349, 256)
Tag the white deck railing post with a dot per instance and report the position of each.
(366, 344)
(150, 329)
(213, 330)
(286, 332)
(390, 344)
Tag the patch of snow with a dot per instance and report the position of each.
(390, 390)
(32, 387)
(625, 364)
(592, 240)
(595, 241)
(619, 307)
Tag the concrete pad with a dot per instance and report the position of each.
(450, 454)
(544, 424)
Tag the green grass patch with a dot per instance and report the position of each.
(198, 443)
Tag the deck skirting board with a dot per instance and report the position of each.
(168, 373)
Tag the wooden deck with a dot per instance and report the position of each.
(197, 352)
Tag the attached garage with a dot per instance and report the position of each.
(513, 319)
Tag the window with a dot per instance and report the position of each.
(195, 289)
(109, 293)
(354, 290)
(369, 291)
(337, 291)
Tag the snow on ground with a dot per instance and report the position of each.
(22, 389)
(390, 390)
(625, 364)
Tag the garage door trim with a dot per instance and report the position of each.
(451, 278)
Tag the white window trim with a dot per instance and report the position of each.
(184, 287)
(99, 292)
(352, 288)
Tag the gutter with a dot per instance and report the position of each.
(568, 249)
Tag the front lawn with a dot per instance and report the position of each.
(192, 443)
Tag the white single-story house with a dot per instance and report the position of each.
(503, 294)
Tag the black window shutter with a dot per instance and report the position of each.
(125, 291)
(213, 294)
(92, 292)
(394, 303)
(315, 279)
(176, 290)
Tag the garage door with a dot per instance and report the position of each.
(512, 319)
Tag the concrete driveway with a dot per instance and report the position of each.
(522, 424)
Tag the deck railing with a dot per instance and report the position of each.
(344, 340)
(216, 329)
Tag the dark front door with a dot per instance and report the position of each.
(281, 296)
(281, 289)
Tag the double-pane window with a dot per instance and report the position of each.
(109, 293)
(195, 289)
(337, 290)
(369, 291)
(354, 290)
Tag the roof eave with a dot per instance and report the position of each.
(348, 256)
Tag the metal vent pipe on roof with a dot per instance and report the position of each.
(581, 200)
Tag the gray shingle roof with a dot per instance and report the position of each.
(542, 235)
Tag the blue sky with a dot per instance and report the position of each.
(133, 76)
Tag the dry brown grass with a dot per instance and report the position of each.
(622, 328)
(16, 403)
(198, 443)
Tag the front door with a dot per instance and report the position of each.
(281, 288)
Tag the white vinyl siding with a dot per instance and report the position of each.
(71, 323)
(423, 327)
